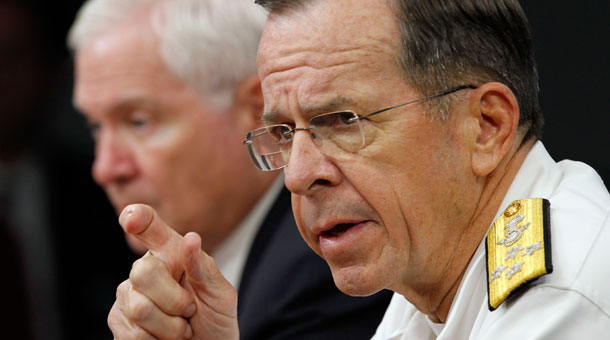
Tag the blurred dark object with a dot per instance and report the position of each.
(14, 282)
(64, 249)
(572, 50)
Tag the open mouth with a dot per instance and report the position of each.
(339, 229)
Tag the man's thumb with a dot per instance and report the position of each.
(205, 278)
(200, 268)
(216, 299)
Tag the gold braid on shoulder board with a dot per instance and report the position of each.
(518, 248)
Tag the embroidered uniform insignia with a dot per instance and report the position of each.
(513, 247)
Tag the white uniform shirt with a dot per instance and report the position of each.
(573, 302)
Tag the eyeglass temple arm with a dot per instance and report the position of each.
(446, 92)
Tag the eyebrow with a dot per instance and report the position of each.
(125, 105)
(130, 102)
(272, 117)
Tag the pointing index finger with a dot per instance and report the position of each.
(146, 225)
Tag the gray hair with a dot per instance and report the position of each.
(461, 42)
(209, 44)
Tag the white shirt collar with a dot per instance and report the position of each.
(537, 178)
(231, 255)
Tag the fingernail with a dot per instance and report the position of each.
(189, 332)
(190, 310)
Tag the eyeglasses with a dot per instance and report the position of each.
(270, 146)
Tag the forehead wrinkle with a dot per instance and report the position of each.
(287, 55)
(354, 32)
(293, 59)
(285, 79)
(281, 64)
(312, 97)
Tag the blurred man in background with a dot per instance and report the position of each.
(169, 89)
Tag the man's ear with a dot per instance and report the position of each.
(248, 103)
(496, 112)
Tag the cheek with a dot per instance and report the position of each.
(420, 202)
(386, 201)
(187, 192)
(399, 188)
(172, 164)
(381, 190)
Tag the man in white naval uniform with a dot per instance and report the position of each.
(408, 133)
(571, 303)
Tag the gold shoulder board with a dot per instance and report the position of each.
(518, 248)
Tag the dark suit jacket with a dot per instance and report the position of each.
(287, 291)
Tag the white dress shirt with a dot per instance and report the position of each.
(573, 302)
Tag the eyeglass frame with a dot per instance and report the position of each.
(291, 132)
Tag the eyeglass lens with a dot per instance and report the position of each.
(271, 146)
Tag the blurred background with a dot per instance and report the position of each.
(61, 244)
(59, 233)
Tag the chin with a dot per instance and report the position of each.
(356, 281)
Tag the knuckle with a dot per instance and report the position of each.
(210, 263)
(143, 270)
(139, 308)
(122, 288)
(141, 335)
(123, 330)
(121, 292)
(113, 319)
(175, 329)
(179, 332)
(180, 304)
(136, 333)
(231, 294)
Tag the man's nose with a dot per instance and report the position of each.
(308, 167)
(113, 162)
